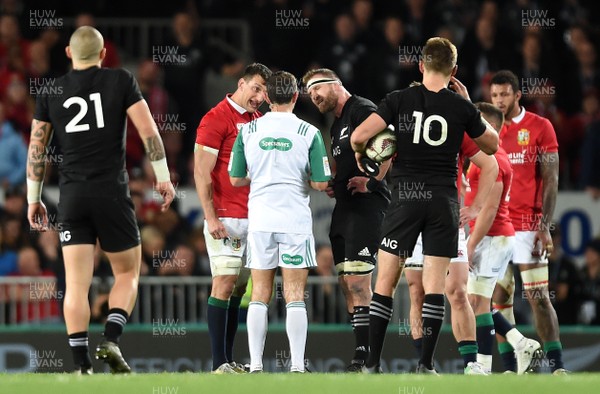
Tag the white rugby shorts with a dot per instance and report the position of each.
(271, 250)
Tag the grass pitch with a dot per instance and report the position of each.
(192, 383)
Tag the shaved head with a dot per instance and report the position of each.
(86, 44)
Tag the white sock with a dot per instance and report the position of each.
(256, 323)
(296, 326)
(513, 337)
(485, 360)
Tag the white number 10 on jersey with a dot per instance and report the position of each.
(418, 116)
(73, 126)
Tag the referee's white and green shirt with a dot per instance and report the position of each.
(280, 153)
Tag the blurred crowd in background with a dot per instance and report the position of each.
(372, 45)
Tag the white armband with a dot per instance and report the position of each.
(34, 191)
(161, 170)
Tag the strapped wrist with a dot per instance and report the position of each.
(34, 191)
(161, 170)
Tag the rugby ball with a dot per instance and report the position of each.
(382, 146)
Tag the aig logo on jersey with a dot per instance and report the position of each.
(523, 137)
(389, 243)
(65, 236)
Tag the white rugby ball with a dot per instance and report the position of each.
(382, 146)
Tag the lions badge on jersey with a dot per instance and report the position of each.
(236, 244)
(523, 137)
(239, 126)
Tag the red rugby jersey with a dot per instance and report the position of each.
(525, 140)
(502, 224)
(218, 130)
(468, 149)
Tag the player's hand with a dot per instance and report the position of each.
(542, 243)
(459, 88)
(167, 192)
(358, 184)
(37, 216)
(329, 190)
(467, 214)
(358, 156)
(216, 229)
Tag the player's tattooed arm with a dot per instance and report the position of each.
(549, 172)
(41, 134)
(154, 148)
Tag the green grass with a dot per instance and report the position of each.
(188, 383)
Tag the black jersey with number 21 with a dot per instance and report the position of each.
(88, 115)
(429, 131)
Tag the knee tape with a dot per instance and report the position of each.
(481, 285)
(354, 267)
(225, 265)
(535, 278)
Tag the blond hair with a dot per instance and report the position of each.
(86, 43)
(440, 55)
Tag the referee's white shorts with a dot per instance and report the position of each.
(271, 250)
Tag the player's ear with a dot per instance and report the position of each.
(267, 98)
(68, 52)
(454, 70)
(518, 94)
(421, 66)
(295, 98)
(102, 53)
(240, 83)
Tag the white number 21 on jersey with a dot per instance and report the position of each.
(73, 126)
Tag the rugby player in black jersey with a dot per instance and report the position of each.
(430, 121)
(86, 115)
(360, 203)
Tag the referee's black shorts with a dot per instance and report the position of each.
(433, 211)
(110, 219)
(356, 228)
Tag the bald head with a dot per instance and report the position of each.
(86, 44)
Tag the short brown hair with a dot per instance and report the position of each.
(281, 87)
(491, 112)
(323, 71)
(440, 55)
(256, 69)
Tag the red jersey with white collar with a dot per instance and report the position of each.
(218, 130)
(525, 140)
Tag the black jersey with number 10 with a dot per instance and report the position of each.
(429, 130)
(88, 109)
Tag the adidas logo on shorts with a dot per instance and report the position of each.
(365, 252)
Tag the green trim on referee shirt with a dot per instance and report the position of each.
(318, 160)
(238, 167)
